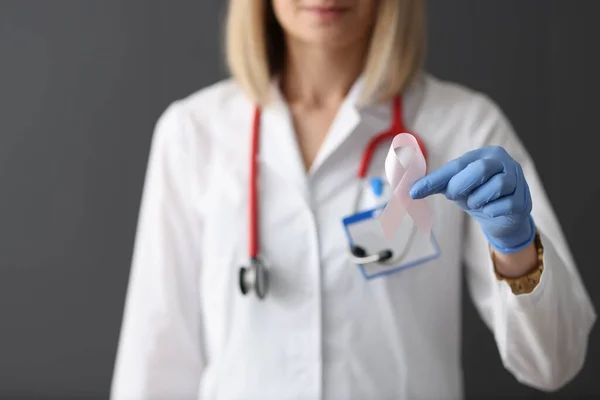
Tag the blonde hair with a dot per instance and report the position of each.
(255, 48)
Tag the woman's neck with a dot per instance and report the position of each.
(316, 77)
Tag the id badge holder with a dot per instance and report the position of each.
(409, 248)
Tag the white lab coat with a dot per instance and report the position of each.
(324, 332)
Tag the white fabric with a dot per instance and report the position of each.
(324, 332)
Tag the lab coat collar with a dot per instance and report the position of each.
(279, 147)
(344, 124)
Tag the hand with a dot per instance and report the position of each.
(490, 186)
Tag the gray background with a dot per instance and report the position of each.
(82, 84)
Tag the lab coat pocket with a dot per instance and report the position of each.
(409, 248)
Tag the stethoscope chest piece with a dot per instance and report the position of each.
(254, 277)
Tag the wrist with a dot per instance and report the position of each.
(518, 240)
(517, 264)
(520, 282)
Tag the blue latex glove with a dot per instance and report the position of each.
(490, 186)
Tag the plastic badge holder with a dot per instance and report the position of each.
(409, 246)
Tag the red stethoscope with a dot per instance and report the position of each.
(254, 277)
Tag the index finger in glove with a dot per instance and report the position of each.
(437, 181)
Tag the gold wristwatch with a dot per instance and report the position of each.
(526, 283)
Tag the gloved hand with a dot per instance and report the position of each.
(490, 186)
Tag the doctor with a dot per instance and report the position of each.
(314, 81)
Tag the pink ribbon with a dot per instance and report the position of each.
(401, 180)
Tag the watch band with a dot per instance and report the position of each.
(526, 283)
